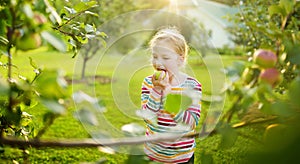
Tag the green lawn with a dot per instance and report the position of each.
(121, 98)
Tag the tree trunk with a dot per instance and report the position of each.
(85, 59)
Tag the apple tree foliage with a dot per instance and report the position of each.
(28, 25)
(266, 89)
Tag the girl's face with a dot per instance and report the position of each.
(164, 57)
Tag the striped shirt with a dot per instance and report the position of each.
(182, 149)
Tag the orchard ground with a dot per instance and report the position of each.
(67, 126)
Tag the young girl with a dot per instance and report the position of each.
(169, 52)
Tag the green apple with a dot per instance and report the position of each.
(157, 74)
(29, 42)
(265, 58)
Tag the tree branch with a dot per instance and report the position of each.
(115, 141)
(46, 126)
(91, 142)
(73, 17)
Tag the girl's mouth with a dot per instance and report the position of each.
(161, 69)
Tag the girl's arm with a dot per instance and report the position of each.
(150, 97)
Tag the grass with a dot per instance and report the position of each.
(121, 98)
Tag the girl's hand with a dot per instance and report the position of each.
(161, 82)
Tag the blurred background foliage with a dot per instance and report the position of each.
(70, 26)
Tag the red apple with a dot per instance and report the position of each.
(39, 18)
(270, 76)
(264, 58)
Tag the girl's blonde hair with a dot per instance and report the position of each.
(173, 35)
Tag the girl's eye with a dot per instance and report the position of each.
(166, 58)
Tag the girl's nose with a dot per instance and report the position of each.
(156, 61)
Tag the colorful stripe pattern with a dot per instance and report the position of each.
(182, 149)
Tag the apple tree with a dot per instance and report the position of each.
(108, 10)
(25, 26)
(263, 89)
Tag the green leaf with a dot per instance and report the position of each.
(55, 40)
(236, 69)
(3, 41)
(103, 42)
(89, 36)
(2, 149)
(51, 84)
(85, 5)
(282, 109)
(53, 106)
(13, 116)
(29, 103)
(32, 63)
(275, 9)
(279, 133)
(26, 119)
(297, 5)
(4, 87)
(27, 10)
(247, 102)
(176, 102)
(70, 10)
(263, 90)
(294, 92)
(228, 135)
(133, 129)
(83, 100)
(86, 116)
(102, 34)
(266, 108)
(293, 51)
(91, 13)
(89, 28)
(54, 17)
(288, 5)
(47, 117)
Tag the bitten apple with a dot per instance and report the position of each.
(270, 76)
(157, 74)
(265, 58)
